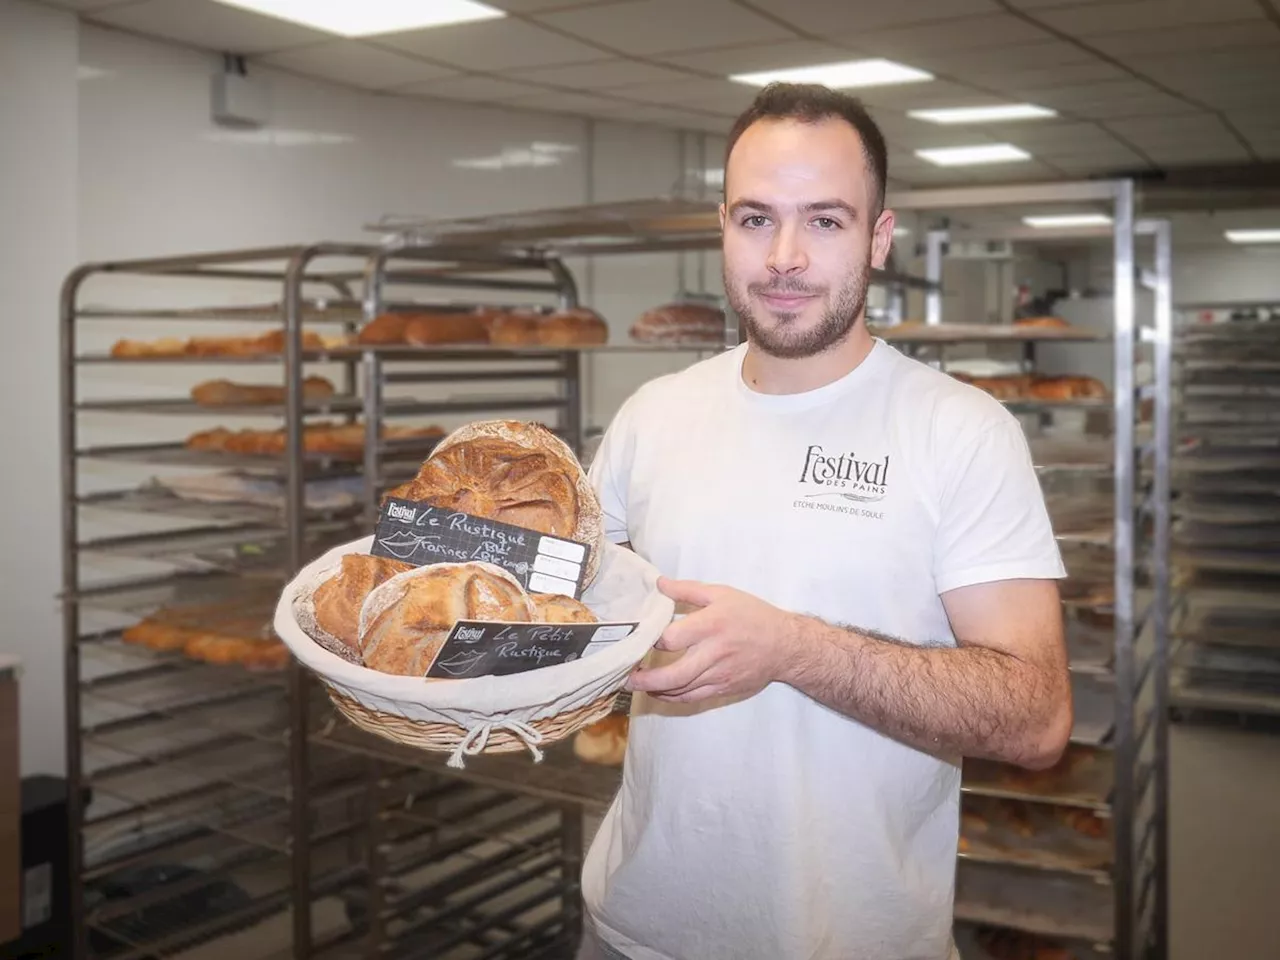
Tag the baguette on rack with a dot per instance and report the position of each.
(382, 329)
(436, 329)
(223, 393)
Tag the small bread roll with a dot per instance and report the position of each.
(386, 328)
(337, 601)
(407, 622)
(605, 741)
(557, 608)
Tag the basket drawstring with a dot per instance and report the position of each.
(478, 737)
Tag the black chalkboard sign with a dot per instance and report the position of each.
(422, 534)
(483, 648)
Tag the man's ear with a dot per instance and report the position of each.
(721, 209)
(882, 239)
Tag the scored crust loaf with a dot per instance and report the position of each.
(557, 608)
(680, 323)
(432, 329)
(603, 742)
(513, 472)
(338, 600)
(406, 620)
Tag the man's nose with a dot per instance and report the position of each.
(786, 253)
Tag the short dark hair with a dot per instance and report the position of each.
(812, 103)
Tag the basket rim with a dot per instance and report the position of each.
(515, 691)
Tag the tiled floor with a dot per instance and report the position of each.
(1224, 898)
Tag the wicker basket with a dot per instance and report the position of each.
(485, 714)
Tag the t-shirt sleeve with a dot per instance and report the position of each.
(608, 474)
(993, 523)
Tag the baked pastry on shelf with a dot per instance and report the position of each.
(680, 323)
(225, 393)
(344, 441)
(211, 634)
(603, 742)
(1048, 323)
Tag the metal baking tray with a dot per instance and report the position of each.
(177, 455)
(1257, 536)
(317, 310)
(182, 407)
(1083, 778)
(561, 776)
(155, 500)
(970, 939)
(244, 548)
(1228, 561)
(1036, 836)
(1049, 904)
(137, 596)
(985, 333)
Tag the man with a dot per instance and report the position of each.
(864, 544)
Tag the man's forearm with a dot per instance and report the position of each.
(971, 701)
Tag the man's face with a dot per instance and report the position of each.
(799, 239)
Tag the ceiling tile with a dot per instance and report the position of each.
(1152, 131)
(492, 45)
(823, 18)
(1146, 15)
(1225, 151)
(1186, 39)
(601, 75)
(723, 61)
(477, 89)
(648, 113)
(1046, 53)
(1040, 4)
(1070, 96)
(719, 95)
(213, 26)
(645, 27)
(84, 5)
(991, 74)
(1146, 105)
(543, 6)
(564, 102)
(357, 64)
(967, 33)
(938, 93)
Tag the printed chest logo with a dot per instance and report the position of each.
(843, 477)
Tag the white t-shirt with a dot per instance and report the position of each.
(774, 828)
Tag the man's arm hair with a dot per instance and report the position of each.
(1002, 693)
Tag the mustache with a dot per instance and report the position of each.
(785, 287)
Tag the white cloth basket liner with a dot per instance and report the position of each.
(625, 589)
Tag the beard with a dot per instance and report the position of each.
(785, 339)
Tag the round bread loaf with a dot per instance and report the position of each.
(680, 323)
(572, 328)
(338, 600)
(515, 329)
(603, 742)
(406, 620)
(557, 608)
(514, 472)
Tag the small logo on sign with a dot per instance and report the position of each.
(398, 512)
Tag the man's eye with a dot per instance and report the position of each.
(755, 220)
(827, 223)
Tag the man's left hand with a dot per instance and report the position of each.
(734, 645)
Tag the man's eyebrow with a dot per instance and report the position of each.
(817, 206)
(749, 204)
(840, 205)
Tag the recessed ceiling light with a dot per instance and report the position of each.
(1270, 235)
(370, 17)
(852, 73)
(991, 114)
(1068, 220)
(967, 156)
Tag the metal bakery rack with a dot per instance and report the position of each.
(1226, 534)
(1075, 857)
(211, 806)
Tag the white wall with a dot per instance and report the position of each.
(130, 165)
(37, 248)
